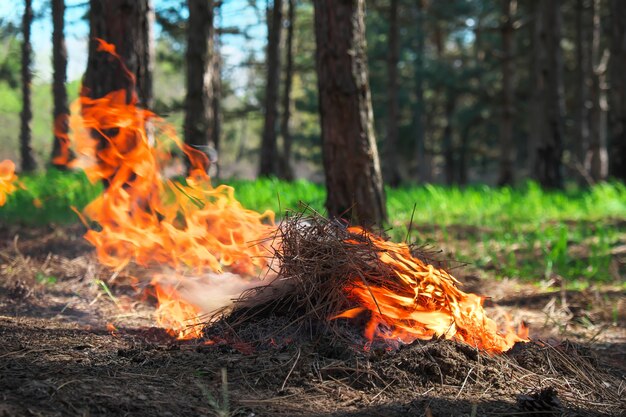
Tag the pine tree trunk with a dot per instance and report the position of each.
(269, 147)
(583, 65)
(199, 115)
(448, 147)
(618, 89)
(507, 148)
(26, 115)
(127, 24)
(286, 170)
(596, 161)
(548, 164)
(423, 171)
(391, 170)
(216, 83)
(537, 103)
(353, 178)
(61, 153)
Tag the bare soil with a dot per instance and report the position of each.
(68, 348)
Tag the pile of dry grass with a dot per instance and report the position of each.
(326, 270)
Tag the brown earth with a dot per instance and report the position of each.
(58, 357)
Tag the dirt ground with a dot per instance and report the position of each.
(70, 348)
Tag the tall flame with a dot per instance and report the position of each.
(8, 180)
(148, 219)
(195, 228)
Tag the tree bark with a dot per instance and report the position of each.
(537, 103)
(583, 66)
(423, 170)
(286, 170)
(353, 178)
(507, 148)
(596, 160)
(216, 83)
(391, 170)
(618, 89)
(26, 115)
(269, 147)
(127, 24)
(548, 164)
(199, 115)
(61, 153)
(448, 151)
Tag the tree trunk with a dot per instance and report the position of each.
(286, 170)
(448, 151)
(596, 160)
(618, 89)
(391, 170)
(127, 24)
(507, 148)
(423, 171)
(548, 164)
(199, 98)
(216, 83)
(353, 178)
(537, 104)
(61, 153)
(26, 115)
(269, 148)
(583, 65)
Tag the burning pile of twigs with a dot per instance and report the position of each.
(327, 272)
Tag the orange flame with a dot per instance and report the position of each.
(421, 302)
(180, 318)
(147, 219)
(8, 180)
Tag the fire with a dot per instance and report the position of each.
(148, 219)
(8, 180)
(420, 301)
(180, 318)
(195, 229)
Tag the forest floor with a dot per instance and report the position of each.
(71, 345)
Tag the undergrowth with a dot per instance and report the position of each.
(522, 232)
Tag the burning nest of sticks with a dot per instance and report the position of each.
(337, 286)
(328, 274)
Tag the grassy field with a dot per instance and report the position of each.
(522, 232)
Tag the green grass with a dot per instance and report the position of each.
(48, 198)
(523, 232)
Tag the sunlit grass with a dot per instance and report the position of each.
(522, 232)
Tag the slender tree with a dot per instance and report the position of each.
(548, 148)
(216, 85)
(391, 170)
(583, 66)
(617, 74)
(60, 112)
(507, 157)
(286, 170)
(269, 147)
(423, 169)
(127, 25)
(448, 151)
(198, 101)
(26, 115)
(353, 178)
(596, 161)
